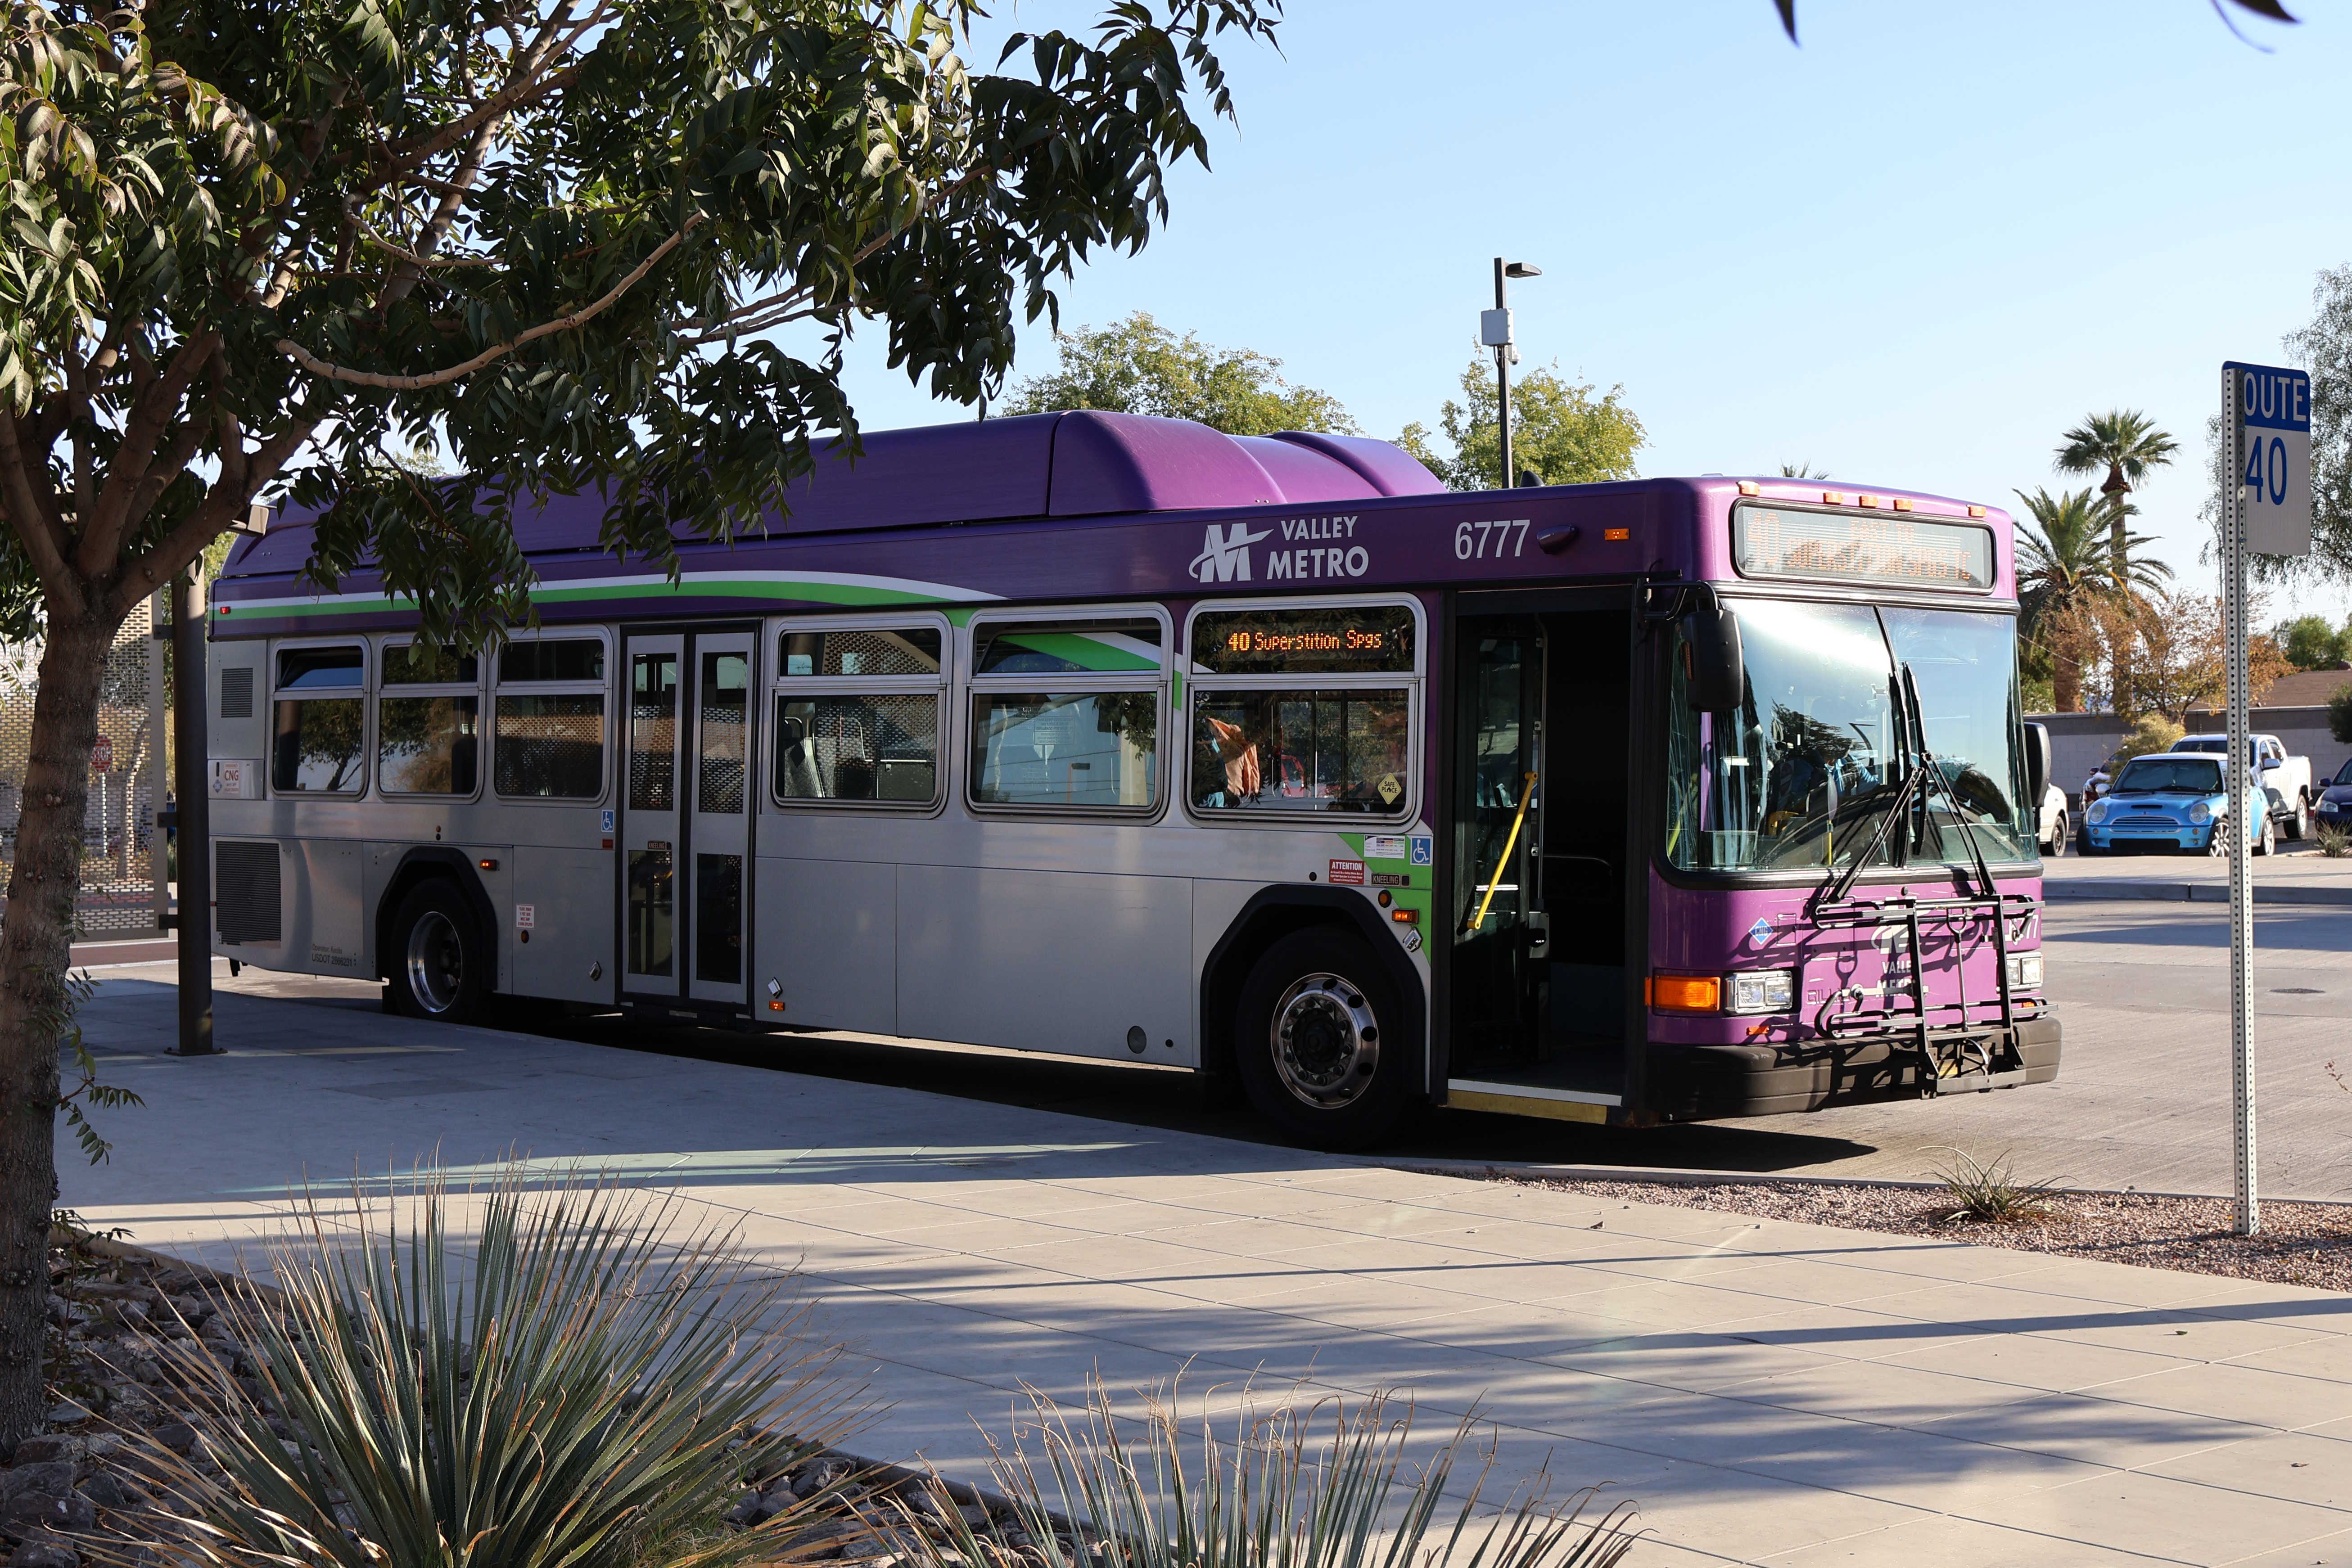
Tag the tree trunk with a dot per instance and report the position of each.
(35, 947)
(2066, 683)
(2115, 490)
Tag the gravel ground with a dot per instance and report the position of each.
(2299, 1243)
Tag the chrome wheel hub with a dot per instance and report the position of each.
(436, 962)
(1326, 1042)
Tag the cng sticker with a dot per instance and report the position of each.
(1383, 847)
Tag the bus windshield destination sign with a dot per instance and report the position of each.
(1373, 639)
(1868, 546)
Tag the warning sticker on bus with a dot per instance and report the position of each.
(1348, 873)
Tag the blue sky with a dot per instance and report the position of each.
(1911, 251)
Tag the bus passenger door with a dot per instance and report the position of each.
(720, 832)
(651, 823)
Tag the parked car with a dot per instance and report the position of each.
(2056, 824)
(2285, 780)
(2170, 799)
(2334, 809)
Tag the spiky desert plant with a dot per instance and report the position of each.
(1097, 1490)
(585, 1384)
(1990, 1192)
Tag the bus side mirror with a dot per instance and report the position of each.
(2037, 763)
(1715, 674)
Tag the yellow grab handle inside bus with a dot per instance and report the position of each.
(1518, 819)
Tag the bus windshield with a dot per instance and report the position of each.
(1800, 776)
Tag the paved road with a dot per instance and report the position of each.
(1769, 1392)
(2142, 1101)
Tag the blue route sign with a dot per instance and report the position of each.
(2272, 446)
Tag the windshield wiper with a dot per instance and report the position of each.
(1895, 809)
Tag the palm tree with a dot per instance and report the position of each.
(1802, 471)
(2126, 444)
(2063, 563)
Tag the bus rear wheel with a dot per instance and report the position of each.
(440, 964)
(1321, 1042)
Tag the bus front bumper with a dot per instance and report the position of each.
(1708, 1082)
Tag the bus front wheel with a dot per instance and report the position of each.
(440, 965)
(1322, 1047)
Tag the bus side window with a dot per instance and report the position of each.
(428, 721)
(549, 739)
(1304, 709)
(320, 721)
(858, 715)
(1065, 713)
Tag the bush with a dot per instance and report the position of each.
(2334, 843)
(587, 1389)
(2339, 713)
(2150, 732)
(1098, 1494)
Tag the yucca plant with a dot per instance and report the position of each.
(1101, 1492)
(1990, 1193)
(585, 1384)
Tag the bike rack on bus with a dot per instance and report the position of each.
(1834, 909)
(1964, 1037)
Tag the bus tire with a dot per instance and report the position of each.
(1321, 1043)
(440, 963)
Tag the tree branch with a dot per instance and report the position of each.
(103, 527)
(220, 507)
(326, 371)
(367, 232)
(32, 521)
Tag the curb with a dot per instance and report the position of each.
(1677, 1176)
(2134, 891)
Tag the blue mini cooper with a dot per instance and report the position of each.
(2171, 798)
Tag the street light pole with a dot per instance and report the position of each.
(1503, 376)
(190, 782)
(1494, 332)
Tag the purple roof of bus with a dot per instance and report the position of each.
(1074, 464)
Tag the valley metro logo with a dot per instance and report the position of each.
(1225, 552)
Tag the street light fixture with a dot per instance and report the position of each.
(1494, 332)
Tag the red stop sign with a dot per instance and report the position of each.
(101, 754)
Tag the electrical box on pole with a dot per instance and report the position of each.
(2266, 508)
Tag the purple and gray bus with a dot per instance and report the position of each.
(1263, 757)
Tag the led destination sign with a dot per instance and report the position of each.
(1896, 550)
(1375, 639)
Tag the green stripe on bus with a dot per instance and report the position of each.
(1087, 653)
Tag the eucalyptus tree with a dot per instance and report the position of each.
(2128, 444)
(256, 247)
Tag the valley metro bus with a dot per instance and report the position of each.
(1265, 756)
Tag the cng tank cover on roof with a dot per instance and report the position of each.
(1070, 464)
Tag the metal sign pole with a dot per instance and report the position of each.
(195, 925)
(2242, 802)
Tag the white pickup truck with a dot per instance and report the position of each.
(2285, 780)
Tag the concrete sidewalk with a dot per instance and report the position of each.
(1768, 1393)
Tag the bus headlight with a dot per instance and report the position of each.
(2200, 813)
(2099, 809)
(2025, 971)
(1761, 991)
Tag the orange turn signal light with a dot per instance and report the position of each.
(1976, 511)
(1616, 533)
(775, 1007)
(1866, 499)
(488, 865)
(1405, 916)
(1902, 503)
(1687, 993)
(1835, 497)
(1750, 487)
